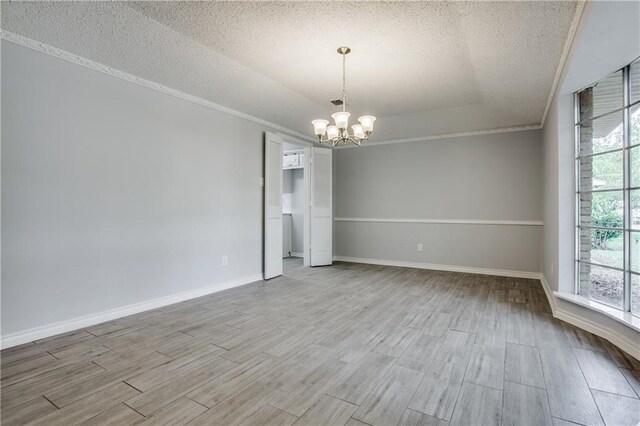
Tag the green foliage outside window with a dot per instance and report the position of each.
(607, 206)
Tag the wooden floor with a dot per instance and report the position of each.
(348, 344)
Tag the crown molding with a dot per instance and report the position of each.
(449, 135)
(573, 29)
(442, 221)
(96, 66)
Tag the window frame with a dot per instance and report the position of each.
(626, 189)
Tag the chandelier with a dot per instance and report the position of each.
(339, 133)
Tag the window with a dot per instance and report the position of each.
(608, 190)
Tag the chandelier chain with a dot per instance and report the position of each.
(344, 82)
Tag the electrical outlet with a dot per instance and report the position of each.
(225, 260)
(419, 246)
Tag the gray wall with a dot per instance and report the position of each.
(487, 177)
(113, 194)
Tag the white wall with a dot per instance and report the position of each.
(293, 225)
(286, 181)
(487, 177)
(559, 196)
(286, 218)
(607, 39)
(297, 210)
(114, 194)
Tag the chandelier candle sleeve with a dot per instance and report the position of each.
(332, 132)
(320, 127)
(357, 131)
(367, 122)
(341, 119)
(339, 133)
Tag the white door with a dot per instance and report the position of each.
(272, 205)
(321, 207)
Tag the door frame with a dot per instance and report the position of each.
(306, 230)
(272, 219)
(320, 214)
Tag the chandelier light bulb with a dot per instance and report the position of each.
(358, 132)
(320, 127)
(332, 132)
(342, 119)
(367, 122)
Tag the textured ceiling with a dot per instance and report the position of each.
(436, 67)
(407, 56)
(404, 54)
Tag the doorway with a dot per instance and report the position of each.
(298, 204)
(295, 208)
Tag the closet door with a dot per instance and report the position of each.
(272, 205)
(321, 207)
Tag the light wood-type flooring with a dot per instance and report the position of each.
(349, 344)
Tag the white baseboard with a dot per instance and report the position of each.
(451, 268)
(18, 338)
(629, 346)
(297, 254)
(574, 318)
(548, 292)
(42, 332)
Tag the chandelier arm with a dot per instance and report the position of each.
(356, 141)
(344, 138)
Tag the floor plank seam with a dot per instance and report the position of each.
(51, 402)
(125, 403)
(525, 384)
(190, 399)
(587, 383)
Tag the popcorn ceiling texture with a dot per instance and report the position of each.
(429, 67)
(122, 38)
